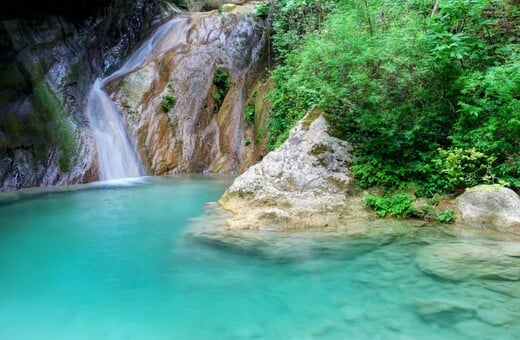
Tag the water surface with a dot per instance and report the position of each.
(113, 262)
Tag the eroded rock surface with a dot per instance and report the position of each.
(490, 206)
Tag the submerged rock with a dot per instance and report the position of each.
(490, 206)
(347, 241)
(444, 312)
(462, 261)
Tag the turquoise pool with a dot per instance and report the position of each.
(113, 262)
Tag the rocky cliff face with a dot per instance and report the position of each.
(185, 106)
(47, 64)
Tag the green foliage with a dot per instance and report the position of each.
(398, 205)
(168, 102)
(249, 114)
(247, 141)
(429, 101)
(262, 10)
(292, 20)
(446, 216)
(465, 167)
(222, 83)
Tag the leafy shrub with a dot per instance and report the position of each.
(446, 216)
(249, 114)
(262, 10)
(398, 205)
(465, 167)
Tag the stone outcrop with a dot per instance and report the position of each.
(47, 65)
(306, 183)
(490, 206)
(184, 106)
(299, 199)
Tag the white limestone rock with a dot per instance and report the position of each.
(491, 206)
(307, 181)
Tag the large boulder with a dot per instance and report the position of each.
(306, 183)
(490, 206)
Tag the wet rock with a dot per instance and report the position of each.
(490, 206)
(460, 261)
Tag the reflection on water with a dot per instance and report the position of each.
(115, 263)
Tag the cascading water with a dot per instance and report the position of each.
(117, 157)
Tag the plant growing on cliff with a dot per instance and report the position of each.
(222, 83)
(249, 114)
(168, 102)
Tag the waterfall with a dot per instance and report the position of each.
(117, 157)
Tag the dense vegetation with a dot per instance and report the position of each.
(428, 92)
